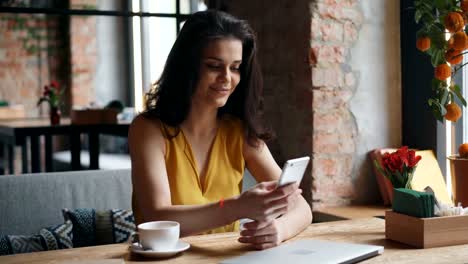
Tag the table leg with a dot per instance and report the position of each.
(49, 166)
(24, 156)
(75, 151)
(93, 150)
(35, 155)
(3, 149)
(11, 158)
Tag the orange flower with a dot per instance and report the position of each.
(453, 112)
(454, 22)
(423, 43)
(442, 72)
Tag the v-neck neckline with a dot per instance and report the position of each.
(193, 161)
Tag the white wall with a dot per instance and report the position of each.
(376, 104)
(111, 71)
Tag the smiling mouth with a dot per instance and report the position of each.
(221, 89)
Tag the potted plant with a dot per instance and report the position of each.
(443, 37)
(52, 94)
(459, 171)
(398, 167)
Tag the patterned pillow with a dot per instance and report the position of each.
(91, 227)
(50, 238)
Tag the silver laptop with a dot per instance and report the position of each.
(310, 251)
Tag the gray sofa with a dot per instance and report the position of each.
(30, 202)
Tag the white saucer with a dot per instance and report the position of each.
(180, 246)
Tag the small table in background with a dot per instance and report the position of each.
(17, 132)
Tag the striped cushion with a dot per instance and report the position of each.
(91, 227)
(50, 238)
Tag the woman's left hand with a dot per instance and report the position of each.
(262, 238)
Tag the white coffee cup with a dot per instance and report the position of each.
(159, 235)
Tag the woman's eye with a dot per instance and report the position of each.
(212, 66)
(234, 68)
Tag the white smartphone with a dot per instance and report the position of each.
(293, 170)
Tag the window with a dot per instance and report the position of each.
(451, 135)
(155, 35)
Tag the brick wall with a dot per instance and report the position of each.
(35, 49)
(335, 26)
(304, 51)
(83, 54)
(283, 29)
(28, 58)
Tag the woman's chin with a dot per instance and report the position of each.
(220, 101)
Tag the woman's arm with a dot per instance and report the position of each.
(152, 191)
(268, 234)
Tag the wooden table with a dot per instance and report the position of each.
(16, 132)
(214, 248)
(348, 212)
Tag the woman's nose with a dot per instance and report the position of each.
(224, 75)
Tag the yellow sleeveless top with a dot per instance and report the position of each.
(224, 171)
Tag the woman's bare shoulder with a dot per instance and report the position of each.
(145, 128)
(142, 121)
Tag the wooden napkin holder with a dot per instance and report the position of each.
(426, 232)
(93, 116)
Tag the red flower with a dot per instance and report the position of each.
(399, 166)
(403, 154)
(54, 84)
(412, 159)
(392, 162)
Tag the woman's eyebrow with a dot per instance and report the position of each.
(218, 59)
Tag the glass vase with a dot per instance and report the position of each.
(54, 116)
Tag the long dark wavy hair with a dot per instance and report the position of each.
(170, 101)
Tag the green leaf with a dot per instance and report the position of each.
(379, 168)
(437, 38)
(436, 83)
(437, 109)
(456, 89)
(435, 58)
(444, 97)
(442, 110)
(417, 16)
(430, 102)
(41, 100)
(440, 4)
(438, 57)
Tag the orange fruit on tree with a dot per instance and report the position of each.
(464, 5)
(453, 56)
(442, 72)
(453, 112)
(450, 43)
(463, 150)
(423, 43)
(454, 22)
(460, 40)
(465, 17)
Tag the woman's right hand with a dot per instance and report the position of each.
(264, 202)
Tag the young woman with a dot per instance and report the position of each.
(200, 130)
